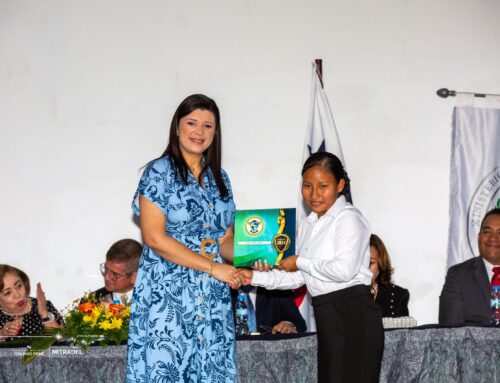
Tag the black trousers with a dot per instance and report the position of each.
(350, 336)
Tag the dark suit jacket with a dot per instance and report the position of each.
(393, 300)
(100, 295)
(465, 298)
(274, 306)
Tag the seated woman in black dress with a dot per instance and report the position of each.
(392, 298)
(20, 314)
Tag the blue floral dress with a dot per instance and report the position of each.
(181, 324)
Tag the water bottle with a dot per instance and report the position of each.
(241, 315)
(495, 305)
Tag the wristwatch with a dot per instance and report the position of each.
(49, 317)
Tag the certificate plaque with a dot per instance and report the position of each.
(265, 234)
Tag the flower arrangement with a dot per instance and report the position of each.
(101, 322)
(90, 322)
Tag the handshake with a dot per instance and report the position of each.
(236, 277)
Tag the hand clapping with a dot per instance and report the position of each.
(42, 301)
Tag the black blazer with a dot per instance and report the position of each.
(100, 295)
(274, 306)
(465, 298)
(393, 300)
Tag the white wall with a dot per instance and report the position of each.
(88, 88)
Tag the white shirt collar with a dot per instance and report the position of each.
(489, 268)
(118, 296)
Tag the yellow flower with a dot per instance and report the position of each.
(105, 325)
(106, 319)
(126, 312)
(96, 311)
(116, 323)
(107, 314)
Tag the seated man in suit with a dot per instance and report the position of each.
(275, 310)
(465, 298)
(119, 271)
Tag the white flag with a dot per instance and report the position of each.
(321, 136)
(474, 172)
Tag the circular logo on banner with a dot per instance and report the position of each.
(254, 225)
(485, 197)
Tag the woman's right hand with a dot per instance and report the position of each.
(226, 273)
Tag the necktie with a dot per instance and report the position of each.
(495, 296)
(495, 280)
(252, 320)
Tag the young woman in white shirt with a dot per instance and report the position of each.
(333, 261)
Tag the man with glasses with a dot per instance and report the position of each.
(119, 271)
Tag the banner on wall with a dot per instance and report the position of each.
(474, 172)
(321, 136)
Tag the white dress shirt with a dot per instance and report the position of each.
(333, 253)
(119, 296)
(489, 269)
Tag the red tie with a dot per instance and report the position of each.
(495, 280)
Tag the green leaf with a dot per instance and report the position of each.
(39, 345)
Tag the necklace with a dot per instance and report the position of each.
(28, 309)
(374, 289)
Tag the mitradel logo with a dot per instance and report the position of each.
(254, 225)
(485, 197)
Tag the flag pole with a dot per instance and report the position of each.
(302, 297)
(319, 70)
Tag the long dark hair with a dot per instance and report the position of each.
(331, 163)
(385, 269)
(211, 156)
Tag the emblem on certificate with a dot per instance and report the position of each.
(265, 234)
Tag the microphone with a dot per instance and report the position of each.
(444, 93)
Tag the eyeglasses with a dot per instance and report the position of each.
(112, 274)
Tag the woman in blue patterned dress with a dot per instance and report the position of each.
(181, 326)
